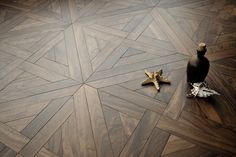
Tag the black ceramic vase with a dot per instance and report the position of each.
(198, 65)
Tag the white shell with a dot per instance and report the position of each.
(201, 90)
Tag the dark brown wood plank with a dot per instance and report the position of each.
(136, 98)
(84, 126)
(43, 117)
(47, 131)
(101, 137)
(155, 144)
(140, 135)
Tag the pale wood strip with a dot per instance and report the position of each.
(6, 106)
(156, 43)
(43, 50)
(43, 41)
(101, 137)
(109, 30)
(45, 28)
(135, 98)
(84, 128)
(91, 8)
(113, 58)
(133, 23)
(24, 54)
(121, 105)
(6, 58)
(70, 141)
(134, 59)
(43, 117)
(9, 78)
(150, 48)
(186, 15)
(176, 3)
(47, 131)
(169, 32)
(195, 134)
(60, 53)
(72, 54)
(125, 17)
(20, 124)
(157, 31)
(105, 52)
(42, 18)
(41, 72)
(15, 113)
(54, 144)
(51, 14)
(155, 144)
(195, 11)
(177, 102)
(140, 27)
(45, 153)
(87, 20)
(98, 34)
(53, 66)
(115, 21)
(116, 79)
(12, 138)
(11, 66)
(6, 95)
(141, 134)
(85, 63)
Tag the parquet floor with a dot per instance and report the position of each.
(70, 74)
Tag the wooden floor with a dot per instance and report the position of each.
(70, 74)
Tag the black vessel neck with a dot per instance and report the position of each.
(201, 54)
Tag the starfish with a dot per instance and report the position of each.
(155, 78)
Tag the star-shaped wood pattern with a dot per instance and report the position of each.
(156, 78)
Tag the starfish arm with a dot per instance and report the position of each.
(163, 80)
(148, 81)
(149, 74)
(156, 85)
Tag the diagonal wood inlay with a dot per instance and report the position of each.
(71, 73)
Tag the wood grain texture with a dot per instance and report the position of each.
(37, 141)
(12, 138)
(140, 136)
(71, 73)
(86, 140)
(101, 138)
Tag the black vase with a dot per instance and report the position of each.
(198, 66)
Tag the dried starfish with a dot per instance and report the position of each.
(156, 78)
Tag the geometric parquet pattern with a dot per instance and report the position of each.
(70, 74)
